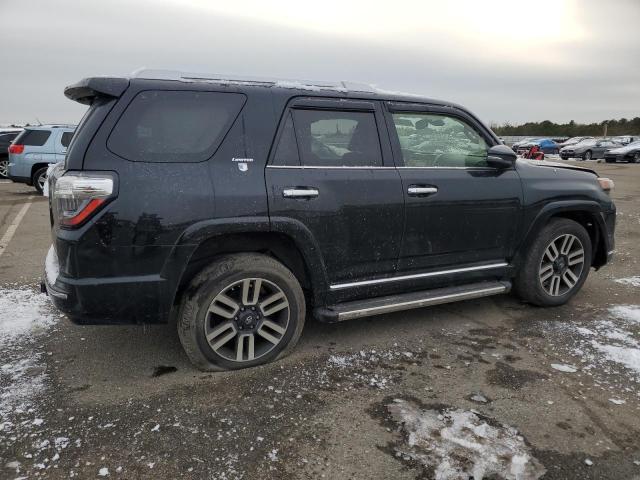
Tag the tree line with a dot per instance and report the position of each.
(547, 128)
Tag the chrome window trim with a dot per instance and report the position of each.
(346, 167)
(342, 286)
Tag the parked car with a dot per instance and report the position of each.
(587, 149)
(34, 149)
(6, 137)
(545, 145)
(516, 146)
(573, 141)
(624, 139)
(270, 200)
(629, 153)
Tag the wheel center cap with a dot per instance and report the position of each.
(247, 320)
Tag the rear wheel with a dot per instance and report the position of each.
(557, 264)
(243, 310)
(587, 155)
(4, 167)
(39, 178)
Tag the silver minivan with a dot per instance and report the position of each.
(34, 149)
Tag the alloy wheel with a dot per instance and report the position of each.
(247, 319)
(42, 180)
(4, 168)
(587, 155)
(561, 265)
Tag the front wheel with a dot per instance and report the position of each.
(587, 155)
(39, 178)
(241, 311)
(636, 158)
(556, 265)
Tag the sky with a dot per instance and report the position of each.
(506, 60)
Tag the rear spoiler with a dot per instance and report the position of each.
(89, 88)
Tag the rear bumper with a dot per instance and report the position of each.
(112, 300)
(17, 179)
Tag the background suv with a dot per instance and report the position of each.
(34, 149)
(6, 137)
(237, 207)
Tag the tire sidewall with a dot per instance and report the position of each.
(229, 271)
(36, 175)
(536, 293)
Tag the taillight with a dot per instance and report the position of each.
(16, 149)
(77, 196)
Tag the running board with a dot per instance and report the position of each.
(408, 301)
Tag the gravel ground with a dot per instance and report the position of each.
(488, 388)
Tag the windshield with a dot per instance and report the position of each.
(587, 142)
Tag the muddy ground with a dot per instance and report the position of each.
(488, 387)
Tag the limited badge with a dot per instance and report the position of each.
(243, 163)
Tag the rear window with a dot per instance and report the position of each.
(174, 126)
(33, 138)
(7, 137)
(66, 138)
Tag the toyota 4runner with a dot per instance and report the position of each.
(236, 207)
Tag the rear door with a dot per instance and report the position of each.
(460, 213)
(331, 173)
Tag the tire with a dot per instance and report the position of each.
(4, 167)
(636, 158)
(529, 284)
(587, 155)
(38, 179)
(202, 313)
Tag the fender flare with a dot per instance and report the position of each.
(590, 207)
(176, 264)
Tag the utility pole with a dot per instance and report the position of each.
(606, 124)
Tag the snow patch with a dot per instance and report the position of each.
(459, 444)
(22, 312)
(562, 367)
(633, 281)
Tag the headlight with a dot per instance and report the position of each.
(606, 184)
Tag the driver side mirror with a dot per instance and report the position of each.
(501, 156)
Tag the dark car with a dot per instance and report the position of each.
(6, 137)
(237, 207)
(573, 141)
(629, 153)
(589, 149)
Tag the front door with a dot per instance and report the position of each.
(331, 173)
(460, 213)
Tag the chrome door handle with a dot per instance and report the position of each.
(299, 192)
(416, 191)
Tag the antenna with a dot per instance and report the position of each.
(39, 122)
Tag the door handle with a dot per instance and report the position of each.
(300, 192)
(419, 190)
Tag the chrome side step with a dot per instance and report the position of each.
(408, 301)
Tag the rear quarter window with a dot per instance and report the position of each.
(66, 138)
(174, 126)
(33, 138)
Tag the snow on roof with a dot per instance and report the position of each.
(340, 86)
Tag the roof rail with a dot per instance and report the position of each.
(344, 86)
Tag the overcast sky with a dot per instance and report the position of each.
(507, 60)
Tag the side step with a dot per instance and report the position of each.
(407, 301)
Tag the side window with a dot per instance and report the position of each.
(33, 138)
(66, 138)
(174, 126)
(287, 149)
(431, 140)
(337, 138)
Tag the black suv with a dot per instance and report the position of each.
(6, 137)
(235, 207)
